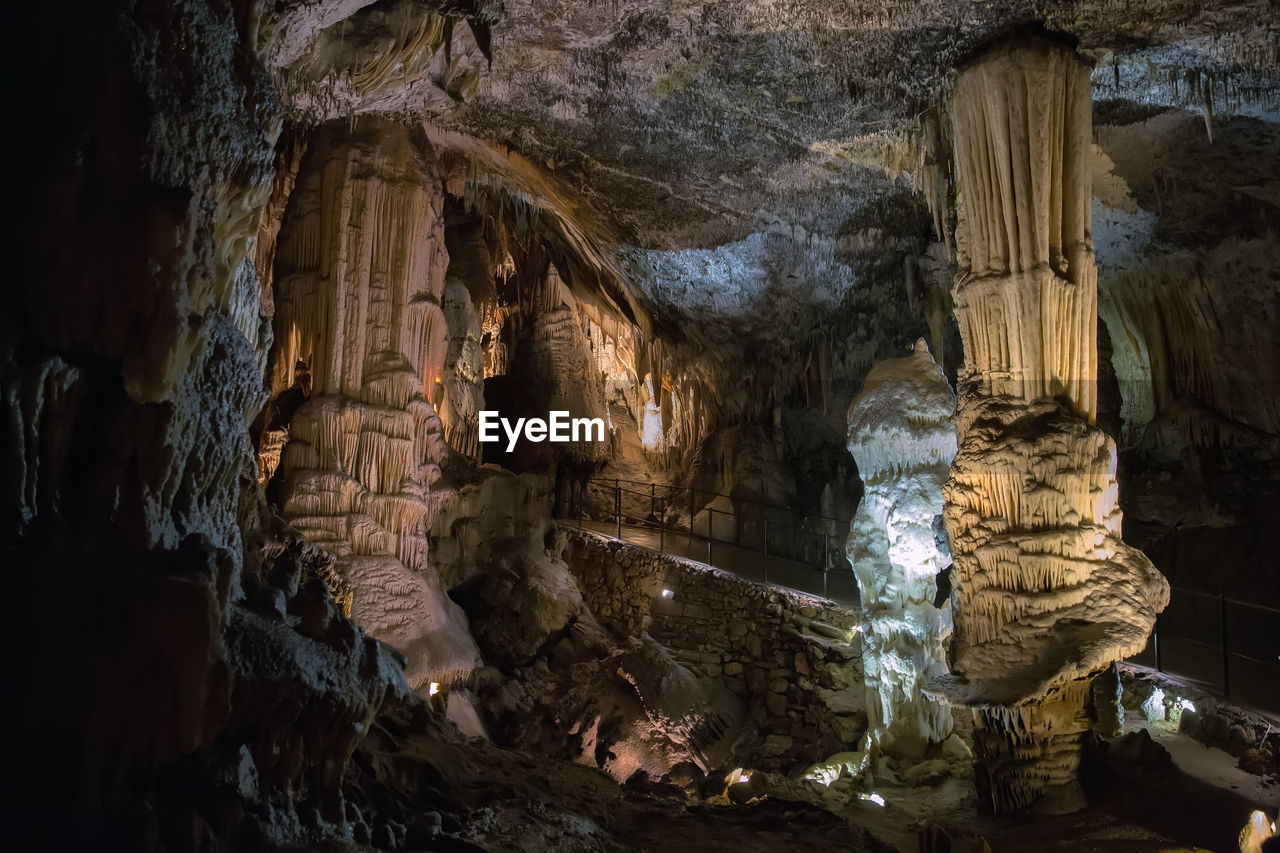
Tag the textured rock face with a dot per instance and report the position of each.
(901, 436)
(1194, 317)
(182, 649)
(185, 680)
(1046, 594)
(704, 120)
(790, 659)
(360, 275)
(333, 59)
(131, 367)
(553, 369)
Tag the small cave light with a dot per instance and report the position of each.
(666, 593)
(872, 798)
(739, 775)
(434, 688)
(1187, 705)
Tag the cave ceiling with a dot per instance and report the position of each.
(696, 123)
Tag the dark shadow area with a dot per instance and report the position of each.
(1136, 780)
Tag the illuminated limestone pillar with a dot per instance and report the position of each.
(901, 436)
(360, 275)
(1045, 593)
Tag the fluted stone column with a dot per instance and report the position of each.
(360, 282)
(1045, 592)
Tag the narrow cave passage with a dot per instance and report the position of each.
(535, 426)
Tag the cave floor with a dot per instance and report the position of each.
(1199, 800)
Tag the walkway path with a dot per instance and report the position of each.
(746, 563)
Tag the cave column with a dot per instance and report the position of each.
(901, 436)
(1045, 593)
(361, 303)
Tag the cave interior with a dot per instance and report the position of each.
(532, 425)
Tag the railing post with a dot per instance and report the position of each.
(711, 515)
(1226, 649)
(617, 505)
(662, 537)
(653, 497)
(766, 550)
(1155, 643)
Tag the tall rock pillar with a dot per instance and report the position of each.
(360, 275)
(901, 436)
(1045, 592)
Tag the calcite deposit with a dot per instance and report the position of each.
(901, 436)
(359, 279)
(1045, 591)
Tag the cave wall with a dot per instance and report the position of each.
(132, 364)
(1187, 289)
(765, 340)
(199, 678)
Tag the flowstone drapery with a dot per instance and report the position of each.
(901, 436)
(360, 279)
(1045, 592)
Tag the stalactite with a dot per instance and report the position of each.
(1045, 592)
(934, 179)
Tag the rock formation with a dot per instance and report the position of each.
(901, 436)
(702, 221)
(1045, 592)
(360, 275)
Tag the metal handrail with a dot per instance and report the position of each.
(1215, 596)
(657, 521)
(1223, 646)
(610, 482)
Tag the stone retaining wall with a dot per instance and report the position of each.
(795, 659)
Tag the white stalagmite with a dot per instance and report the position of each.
(360, 280)
(901, 436)
(1045, 592)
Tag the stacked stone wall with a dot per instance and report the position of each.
(794, 658)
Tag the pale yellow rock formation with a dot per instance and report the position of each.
(1045, 592)
(360, 279)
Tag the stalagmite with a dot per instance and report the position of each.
(901, 436)
(361, 301)
(1045, 592)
